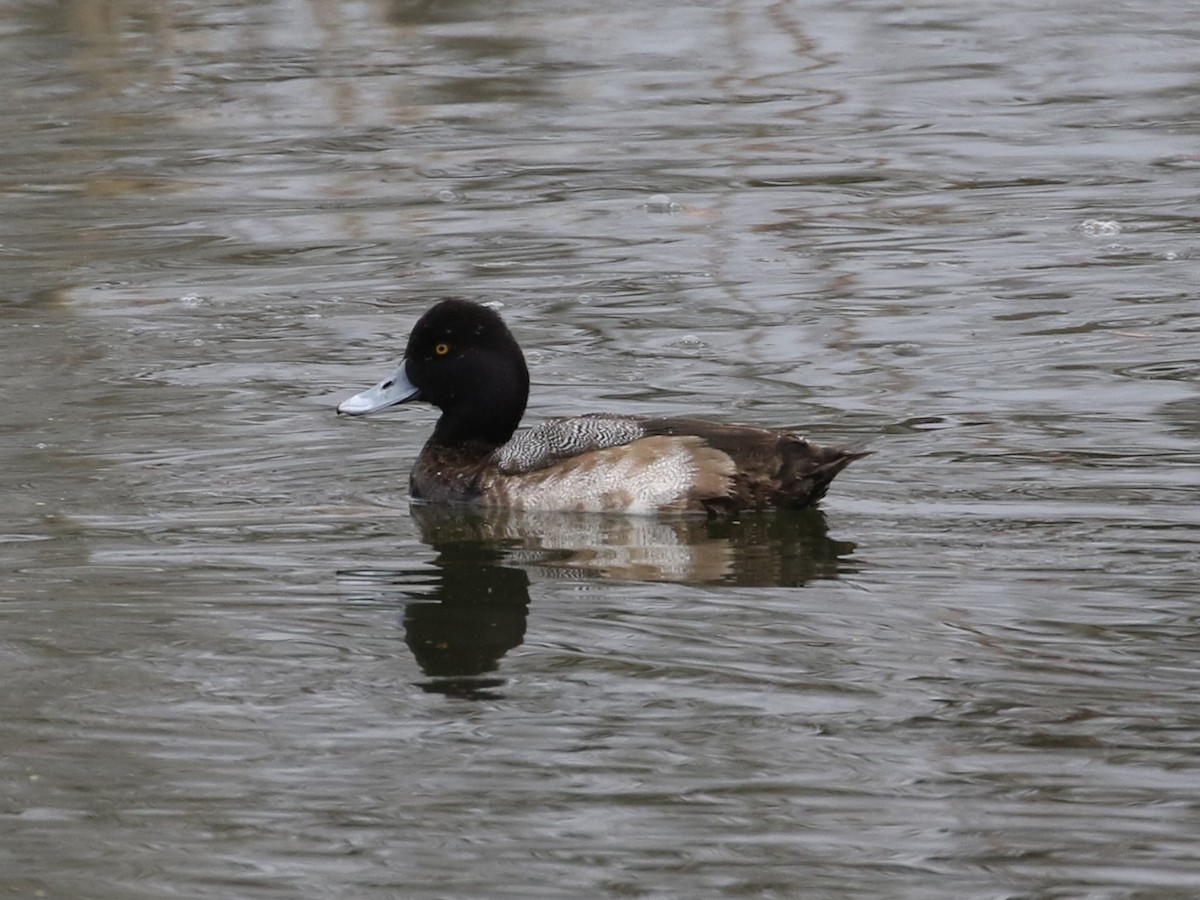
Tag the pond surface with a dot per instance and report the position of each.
(236, 664)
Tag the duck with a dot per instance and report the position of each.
(462, 359)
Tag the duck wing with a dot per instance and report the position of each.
(753, 468)
(772, 468)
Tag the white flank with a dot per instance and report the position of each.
(612, 480)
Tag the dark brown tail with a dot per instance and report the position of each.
(809, 469)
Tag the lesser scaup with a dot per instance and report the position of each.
(462, 358)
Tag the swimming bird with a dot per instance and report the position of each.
(462, 358)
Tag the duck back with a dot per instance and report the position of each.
(630, 463)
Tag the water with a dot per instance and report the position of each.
(236, 664)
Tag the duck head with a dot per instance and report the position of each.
(461, 358)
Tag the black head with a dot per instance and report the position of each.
(462, 358)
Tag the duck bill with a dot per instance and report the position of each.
(394, 389)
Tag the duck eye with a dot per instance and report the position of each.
(441, 349)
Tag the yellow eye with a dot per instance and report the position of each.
(441, 349)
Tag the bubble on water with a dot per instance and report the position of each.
(1100, 227)
(191, 300)
(661, 203)
(42, 445)
(688, 344)
(198, 342)
(447, 196)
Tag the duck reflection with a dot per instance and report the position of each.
(472, 613)
(761, 550)
(474, 610)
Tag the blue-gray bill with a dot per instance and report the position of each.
(394, 389)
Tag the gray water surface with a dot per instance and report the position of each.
(236, 664)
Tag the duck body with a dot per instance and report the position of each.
(462, 358)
